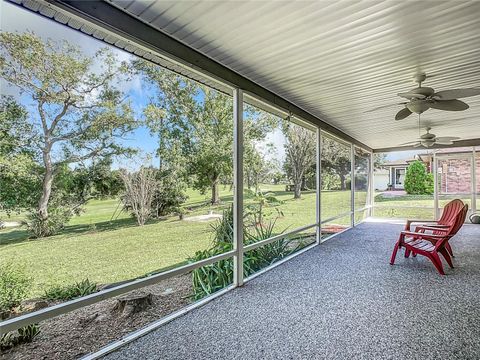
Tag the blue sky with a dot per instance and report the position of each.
(14, 18)
(17, 19)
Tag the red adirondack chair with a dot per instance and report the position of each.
(439, 226)
(430, 245)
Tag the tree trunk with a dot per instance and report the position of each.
(343, 186)
(215, 191)
(304, 183)
(297, 189)
(46, 184)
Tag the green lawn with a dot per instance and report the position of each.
(105, 245)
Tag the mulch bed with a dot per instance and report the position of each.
(83, 331)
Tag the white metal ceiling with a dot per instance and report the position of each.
(338, 59)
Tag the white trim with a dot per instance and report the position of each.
(318, 202)
(238, 187)
(352, 184)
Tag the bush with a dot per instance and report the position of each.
(211, 278)
(14, 286)
(169, 195)
(23, 335)
(416, 179)
(58, 217)
(429, 184)
(79, 289)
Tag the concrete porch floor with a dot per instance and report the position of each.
(341, 300)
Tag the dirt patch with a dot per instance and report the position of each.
(86, 330)
(203, 218)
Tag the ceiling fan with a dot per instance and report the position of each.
(423, 98)
(428, 140)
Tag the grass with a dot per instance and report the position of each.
(105, 245)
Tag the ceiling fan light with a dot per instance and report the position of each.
(424, 90)
(417, 106)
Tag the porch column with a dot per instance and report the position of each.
(238, 186)
(435, 186)
(352, 183)
(319, 186)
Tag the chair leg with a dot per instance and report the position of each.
(437, 262)
(449, 249)
(407, 253)
(447, 257)
(394, 253)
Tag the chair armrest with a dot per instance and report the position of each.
(423, 235)
(421, 221)
(410, 221)
(433, 228)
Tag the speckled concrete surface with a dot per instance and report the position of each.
(341, 300)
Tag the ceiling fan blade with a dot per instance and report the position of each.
(410, 143)
(446, 139)
(402, 114)
(384, 107)
(409, 95)
(449, 105)
(456, 94)
(444, 142)
(418, 144)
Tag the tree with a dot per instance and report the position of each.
(300, 150)
(197, 120)
(80, 114)
(261, 165)
(379, 159)
(416, 180)
(140, 188)
(19, 174)
(336, 158)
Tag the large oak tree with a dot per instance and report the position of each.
(195, 127)
(76, 110)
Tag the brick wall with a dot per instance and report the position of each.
(455, 176)
(477, 175)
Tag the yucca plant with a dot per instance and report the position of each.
(211, 278)
(68, 292)
(23, 335)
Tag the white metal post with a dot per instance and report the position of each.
(318, 208)
(435, 186)
(238, 187)
(352, 183)
(474, 181)
(372, 185)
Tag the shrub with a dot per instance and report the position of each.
(216, 276)
(429, 184)
(23, 335)
(416, 178)
(79, 289)
(58, 217)
(14, 286)
(169, 195)
(140, 188)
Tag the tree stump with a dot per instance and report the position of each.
(132, 304)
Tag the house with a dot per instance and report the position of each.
(391, 175)
(454, 171)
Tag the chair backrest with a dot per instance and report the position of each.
(450, 211)
(458, 222)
